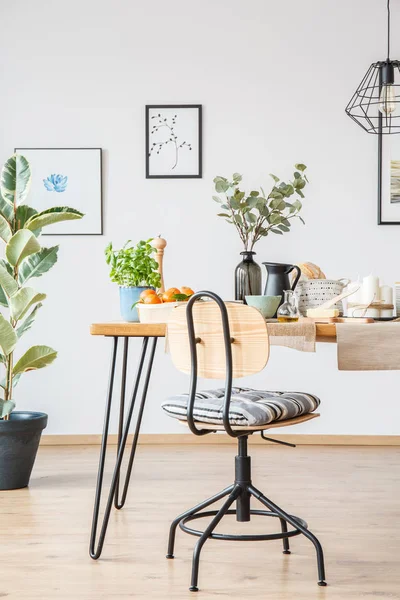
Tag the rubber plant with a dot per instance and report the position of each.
(24, 259)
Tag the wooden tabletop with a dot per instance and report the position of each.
(326, 332)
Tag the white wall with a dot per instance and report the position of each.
(273, 78)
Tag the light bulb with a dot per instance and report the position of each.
(387, 99)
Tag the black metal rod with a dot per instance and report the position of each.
(121, 412)
(192, 511)
(103, 448)
(268, 439)
(138, 422)
(289, 519)
(202, 540)
(95, 553)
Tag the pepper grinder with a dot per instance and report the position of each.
(159, 243)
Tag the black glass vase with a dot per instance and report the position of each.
(247, 277)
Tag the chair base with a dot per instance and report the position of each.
(241, 491)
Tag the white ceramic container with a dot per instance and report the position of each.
(156, 313)
(314, 292)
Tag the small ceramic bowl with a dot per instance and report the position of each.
(267, 305)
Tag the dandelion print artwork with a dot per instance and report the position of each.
(173, 141)
(55, 183)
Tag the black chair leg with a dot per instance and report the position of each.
(192, 511)
(281, 513)
(286, 547)
(207, 532)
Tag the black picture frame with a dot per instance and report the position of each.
(199, 173)
(101, 232)
(381, 140)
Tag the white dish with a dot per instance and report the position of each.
(156, 313)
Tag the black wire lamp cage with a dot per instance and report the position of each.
(375, 105)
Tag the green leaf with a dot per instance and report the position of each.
(302, 220)
(221, 186)
(7, 281)
(237, 177)
(275, 218)
(5, 230)
(252, 202)
(6, 407)
(23, 300)
(27, 324)
(23, 213)
(14, 381)
(15, 179)
(217, 199)
(36, 357)
(38, 263)
(223, 215)
(6, 209)
(22, 244)
(274, 177)
(234, 202)
(239, 195)
(283, 228)
(297, 175)
(8, 337)
(300, 167)
(51, 216)
(276, 231)
(254, 193)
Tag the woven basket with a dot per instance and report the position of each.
(314, 292)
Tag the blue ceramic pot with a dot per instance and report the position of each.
(127, 297)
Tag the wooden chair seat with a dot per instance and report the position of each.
(274, 424)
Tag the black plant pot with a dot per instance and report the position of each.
(19, 441)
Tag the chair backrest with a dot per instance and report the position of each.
(249, 339)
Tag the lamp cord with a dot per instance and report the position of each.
(388, 29)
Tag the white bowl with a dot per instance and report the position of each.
(156, 313)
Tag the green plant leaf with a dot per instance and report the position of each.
(22, 244)
(276, 231)
(7, 281)
(237, 177)
(274, 177)
(300, 167)
(27, 324)
(51, 216)
(23, 300)
(37, 264)
(36, 357)
(217, 199)
(14, 382)
(223, 215)
(221, 186)
(23, 213)
(15, 179)
(5, 230)
(6, 209)
(8, 337)
(6, 407)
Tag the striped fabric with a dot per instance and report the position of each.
(248, 406)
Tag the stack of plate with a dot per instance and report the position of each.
(397, 299)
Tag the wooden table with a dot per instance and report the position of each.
(149, 334)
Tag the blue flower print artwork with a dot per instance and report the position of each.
(56, 183)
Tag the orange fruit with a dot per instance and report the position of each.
(168, 296)
(145, 294)
(152, 299)
(187, 291)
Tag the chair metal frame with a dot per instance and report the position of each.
(242, 489)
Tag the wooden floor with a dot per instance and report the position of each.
(349, 496)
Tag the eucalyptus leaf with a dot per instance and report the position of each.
(8, 337)
(36, 357)
(21, 302)
(221, 186)
(15, 179)
(277, 231)
(6, 407)
(217, 199)
(237, 177)
(51, 216)
(37, 264)
(274, 177)
(300, 167)
(22, 244)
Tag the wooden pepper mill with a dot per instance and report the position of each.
(159, 243)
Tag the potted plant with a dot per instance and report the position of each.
(256, 215)
(135, 270)
(20, 228)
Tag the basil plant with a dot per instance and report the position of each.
(24, 259)
(256, 214)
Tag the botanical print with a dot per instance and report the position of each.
(55, 183)
(166, 127)
(394, 181)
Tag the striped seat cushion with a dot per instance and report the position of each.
(248, 407)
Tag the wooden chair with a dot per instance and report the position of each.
(215, 340)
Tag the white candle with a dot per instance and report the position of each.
(386, 294)
(355, 298)
(370, 293)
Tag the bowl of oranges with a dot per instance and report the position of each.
(154, 307)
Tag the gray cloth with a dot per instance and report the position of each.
(248, 407)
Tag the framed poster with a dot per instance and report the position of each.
(68, 177)
(173, 141)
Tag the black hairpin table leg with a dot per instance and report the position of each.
(123, 431)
